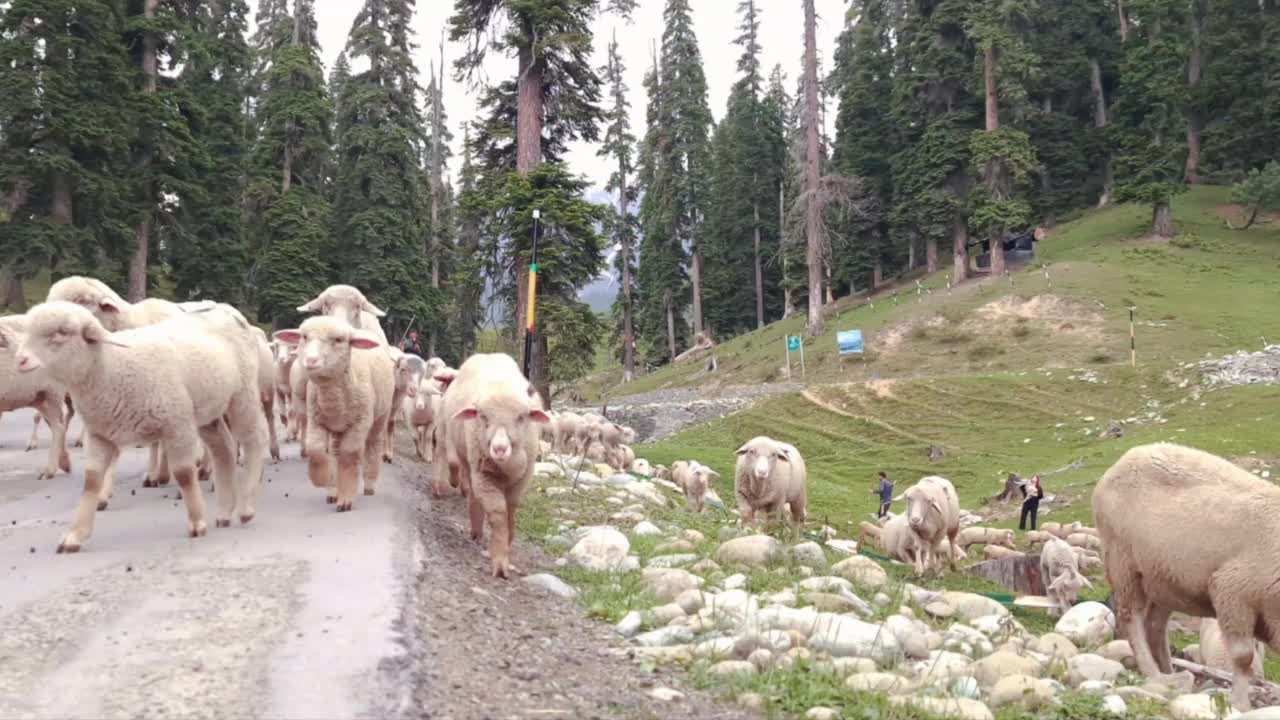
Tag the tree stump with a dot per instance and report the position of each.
(1019, 574)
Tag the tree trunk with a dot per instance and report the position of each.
(11, 294)
(529, 108)
(831, 290)
(137, 289)
(877, 276)
(931, 254)
(695, 280)
(813, 219)
(1162, 220)
(1100, 121)
(911, 254)
(435, 180)
(755, 212)
(671, 326)
(628, 338)
(989, 81)
(788, 302)
(1194, 67)
(1124, 20)
(959, 251)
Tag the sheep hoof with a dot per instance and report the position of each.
(66, 547)
(64, 462)
(148, 483)
(102, 505)
(222, 523)
(245, 518)
(344, 506)
(387, 458)
(499, 571)
(368, 491)
(30, 447)
(331, 499)
(199, 530)
(45, 475)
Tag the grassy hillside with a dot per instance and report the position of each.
(1208, 290)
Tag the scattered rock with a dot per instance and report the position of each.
(736, 581)
(675, 546)
(809, 553)
(828, 602)
(668, 584)
(1262, 713)
(862, 571)
(1115, 705)
(646, 491)
(1092, 667)
(629, 625)
(690, 600)
(989, 670)
(693, 536)
(666, 694)
(600, 548)
(665, 637)
(669, 561)
(645, 528)
(821, 713)
(1120, 651)
(939, 609)
(1088, 624)
(706, 566)
(879, 682)
(751, 550)
(962, 708)
(552, 584)
(1057, 646)
(1021, 689)
(752, 701)
(1192, 707)
(943, 665)
(970, 606)
(732, 667)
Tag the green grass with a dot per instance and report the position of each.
(1209, 289)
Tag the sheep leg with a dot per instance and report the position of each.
(51, 411)
(476, 512)
(182, 450)
(348, 475)
(269, 411)
(512, 496)
(493, 504)
(35, 425)
(219, 444)
(204, 468)
(108, 482)
(247, 424)
(99, 455)
(376, 439)
(80, 438)
(1157, 628)
(951, 556)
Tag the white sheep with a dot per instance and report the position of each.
(589, 432)
(693, 478)
(177, 382)
(1060, 573)
(769, 474)
(933, 513)
(283, 357)
(36, 390)
(898, 542)
(567, 427)
(348, 402)
(628, 435)
(404, 369)
(298, 401)
(998, 552)
(491, 439)
(622, 457)
(974, 535)
(1085, 540)
(267, 387)
(1187, 531)
(420, 415)
(348, 303)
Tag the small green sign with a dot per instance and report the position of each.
(793, 342)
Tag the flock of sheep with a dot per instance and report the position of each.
(199, 385)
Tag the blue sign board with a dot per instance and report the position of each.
(793, 342)
(849, 341)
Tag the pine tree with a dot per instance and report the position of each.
(619, 145)
(288, 168)
(789, 257)
(1148, 134)
(210, 261)
(338, 77)
(467, 279)
(64, 147)
(552, 41)
(378, 217)
(436, 157)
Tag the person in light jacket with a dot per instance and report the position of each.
(1032, 492)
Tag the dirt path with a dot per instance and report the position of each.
(504, 649)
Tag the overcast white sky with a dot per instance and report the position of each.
(715, 21)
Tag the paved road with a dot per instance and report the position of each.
(292, 616)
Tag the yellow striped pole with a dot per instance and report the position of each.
(533, 296)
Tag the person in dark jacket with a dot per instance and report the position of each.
(886, 494)
(1032, 492)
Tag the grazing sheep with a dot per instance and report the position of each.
(1061, 531)
(1037, 537)
(1187, 531)
(898, 542)
(567, 428)
(869, 530)
(176, 383)
(611, 438)
(693, 478)
(933, 512)
(36, 390)
(998, 552)
(622, 457)
(113, 311)
(769, 474)
(590, 431)
(628, 435)
(1085, 540)
(348, 303)
(348, 403)
(1060, 572)
(491, 437)
(984, 536)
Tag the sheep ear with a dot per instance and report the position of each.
(8, 338)
(899, 498)
(107, 305)
(370, 308)
(94, 333)
(783, 454)
(741, 450)
(936, 506)
(539, 416)
(363, 341)
(289, 337)
(712, 472)
(466, 413)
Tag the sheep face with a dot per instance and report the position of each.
(762, 457)
(343, 301)
(61, 336)
(1066, 587)
(92, 295)
(324, 345)
(628, 435)
(407, 375)
(502, 419)
(422, 395)
(919, 505)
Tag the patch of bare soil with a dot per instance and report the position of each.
(883, 389)
(499, 649)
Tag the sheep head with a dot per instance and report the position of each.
(63, 337)
(344, 301)
(93, 295)
(502, 417)
(325, 343)
(1067, 586)
(762, 454)
(919, 504)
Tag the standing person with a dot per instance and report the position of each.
(414, 346)
(1032, 491)
(886, 494)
